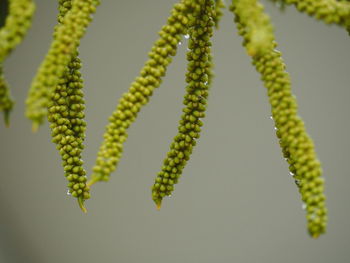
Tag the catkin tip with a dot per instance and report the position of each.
(7, 119)
(158, 206)
(315, 236)
(81, 204)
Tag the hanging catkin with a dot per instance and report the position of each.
(198, 77)
(17, 23)
(67, 38)
(66, 115)
(329, 11)
(141, 90)
(297, 146)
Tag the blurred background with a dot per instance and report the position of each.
(235, 202)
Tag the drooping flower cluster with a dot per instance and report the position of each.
(195, 101)
(66, 115)
(56, 91)
(17, 23)
(329, 11)
(68, 128)
(67, 38)
(141, 89)
(297, 146)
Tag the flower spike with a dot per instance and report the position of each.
(198, 80)
(297, 146)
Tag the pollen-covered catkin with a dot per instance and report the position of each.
(258, 31)
(141, 90)
(329, 11)
(66, 115)
(195, 101)
(67, 38)
(297, 146)
(17, 23)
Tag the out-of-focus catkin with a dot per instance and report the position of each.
(67, 38)
(198, 79)
(329, 11)
(17, 23)
(297, 146)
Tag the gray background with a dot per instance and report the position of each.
(236, 201)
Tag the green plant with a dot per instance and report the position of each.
(57, 91)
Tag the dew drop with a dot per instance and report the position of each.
(68, 192)
(187, 36)
(206, 83)
(304, 206)
(271, 117)
(180, 43)
(275, 128)
(290, 173)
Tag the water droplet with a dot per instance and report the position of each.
(271, 117)
(187, 36)
(68, 192)
(275, 128)
(290, 173)
(180, 43)
(304, 206)
(205, 83)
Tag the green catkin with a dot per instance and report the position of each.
(254, 26)
(195, 101)
(16, 25)
(66, 115)
(67, 38)
(297, 146)
(329, 11)
(141, 90)
(6, 101)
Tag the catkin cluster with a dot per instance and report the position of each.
(66, 115)
(195, 101)
(17, 23)
(141, 89)
(297, 146)
(67, 38)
